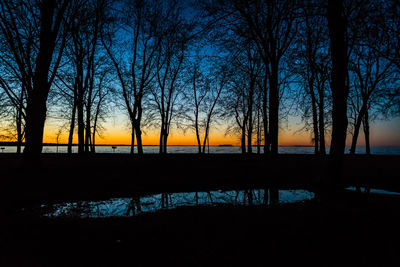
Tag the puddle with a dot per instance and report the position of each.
(373, 191)
(133, 206)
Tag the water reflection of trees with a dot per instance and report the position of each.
(151, 203)
(134, 206)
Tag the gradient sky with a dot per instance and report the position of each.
(383, 133)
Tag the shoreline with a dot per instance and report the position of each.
(64, 176)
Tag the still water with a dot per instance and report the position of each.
(134, 206)
(212, 149)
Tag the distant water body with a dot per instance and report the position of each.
(213, 149)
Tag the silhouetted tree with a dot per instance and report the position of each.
(339, 55)
(176, 33)
(310, 56)
(206, 90)
(242, 104)
(384, 25)
(370, 73)
(37, 63)
(17, 51)
(14, 105)
(84, 42)
(135, 59)
(272, 26)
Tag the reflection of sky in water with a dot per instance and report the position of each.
(374, 191)
(123, 206)
(213, 149)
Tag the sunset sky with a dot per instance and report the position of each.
(383, 133)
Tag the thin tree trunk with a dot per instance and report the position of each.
(71, 129)
(321, 122)
(314, 114)
(20, 134)
(205, 140)
(81, 127)
(266, 126)
(93, 145)
(165, 143)
(88, 125)
(250, 117)
(139, 139)
(258, 132)
(161, 137)
(197, 134)
(87, 131)
(357, 126)
(132, 139)
(366, 133)
(274, 109)
(265, 115)
(243, 139)
(19, 131)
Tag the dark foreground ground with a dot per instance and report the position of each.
(352, 231)
(348, 229)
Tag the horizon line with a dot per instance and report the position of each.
(13, 143)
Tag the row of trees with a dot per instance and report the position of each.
(246, 63)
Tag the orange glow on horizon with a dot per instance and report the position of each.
(180, 139)
(385, 133)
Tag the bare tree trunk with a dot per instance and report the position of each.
(93, 143)
(36, 109)
(274, 108)
(250, 116)
(36, 116)
(20, 133)
(258, 132)
(314, 113)
(337, 30)
(357, 126)
(165, 142)
(198, 134)
(243, 139)
(206, 139)
(366, 133)
(139, 127)
(265, 118)
(81, 127)
(139, 139)
(162, 138)
(71, 129)
(95, 120)
(88, 129)
(321, 122)
(19, 130)
(340, 91)
(132, 139)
